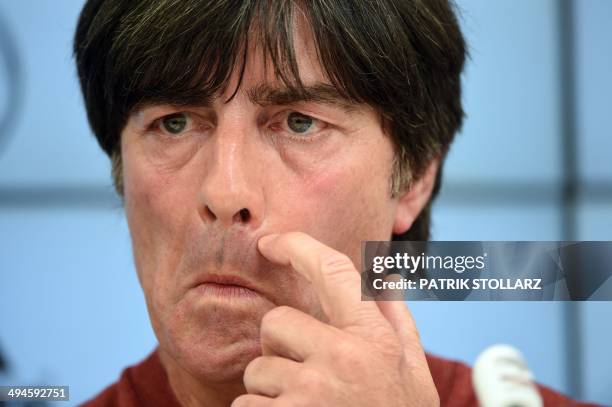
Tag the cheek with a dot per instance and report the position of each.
(156, 221)
(346, 204)
(155, 200)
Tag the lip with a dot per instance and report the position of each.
(226, 285)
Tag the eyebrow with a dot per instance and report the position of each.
(323, 93)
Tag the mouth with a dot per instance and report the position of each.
(228, 286)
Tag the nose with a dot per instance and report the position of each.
(231, 193)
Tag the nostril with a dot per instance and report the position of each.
(210, 214)
(244, 215)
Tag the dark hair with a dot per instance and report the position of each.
(403, 57)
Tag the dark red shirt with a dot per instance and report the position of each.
(146, 384)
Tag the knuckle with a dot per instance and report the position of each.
(253, 369)
(274, 316)
(242, 401)
(336, 263)
(272, 322)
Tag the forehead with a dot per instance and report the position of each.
(206, 63)
(261, 68)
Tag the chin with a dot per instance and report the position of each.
(219, 362)
(212, 348)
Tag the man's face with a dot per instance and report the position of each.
(203, 183)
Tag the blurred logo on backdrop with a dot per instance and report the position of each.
(10, 83)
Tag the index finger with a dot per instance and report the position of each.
(333, 275)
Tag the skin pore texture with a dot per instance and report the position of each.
(198, 201)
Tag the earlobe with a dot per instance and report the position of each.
(414, 199)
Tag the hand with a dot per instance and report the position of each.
(369, 354)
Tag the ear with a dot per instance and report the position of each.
(414, 199)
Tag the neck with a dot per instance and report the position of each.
(191, 391)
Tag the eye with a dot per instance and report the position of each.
(175, 123)
(299, 123)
